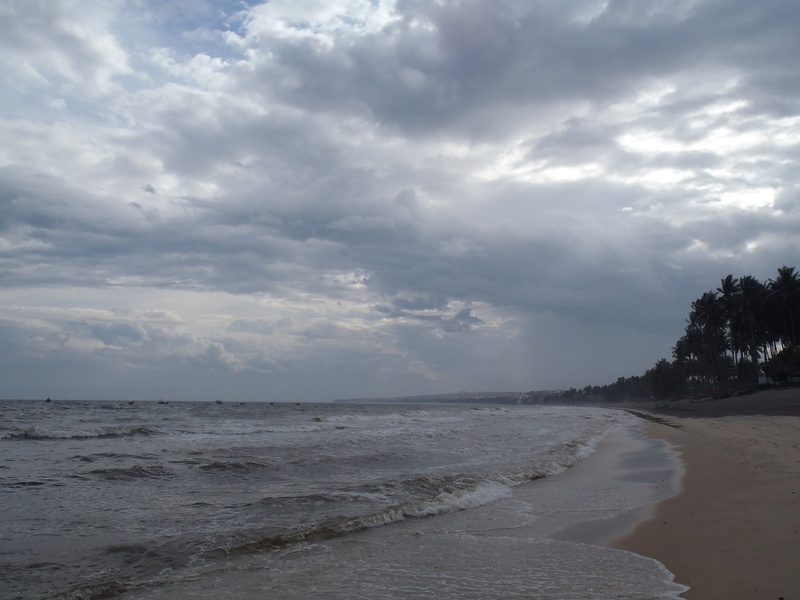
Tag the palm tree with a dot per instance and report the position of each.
(707, 327)
(749, 320)
(784, 290)
(685, 354)
(728, 290)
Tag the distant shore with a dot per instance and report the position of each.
(734, 530)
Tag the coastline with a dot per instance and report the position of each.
(548, 538)
(733, 531)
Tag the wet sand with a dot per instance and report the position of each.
(734, 530)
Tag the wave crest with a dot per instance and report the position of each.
(40, 433)
(235, 467)
(134, 472)
(445, 502)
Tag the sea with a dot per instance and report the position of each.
(206, 500)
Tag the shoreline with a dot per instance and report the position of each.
(733, 531)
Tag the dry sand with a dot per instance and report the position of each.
(734, 530)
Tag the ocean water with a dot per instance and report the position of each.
(259, 500)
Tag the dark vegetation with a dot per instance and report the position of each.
(738, 336)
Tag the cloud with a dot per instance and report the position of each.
(61, 41)
(335, 199)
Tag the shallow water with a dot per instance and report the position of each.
(540, 542)
(285, 501)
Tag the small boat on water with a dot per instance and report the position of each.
(162, 401)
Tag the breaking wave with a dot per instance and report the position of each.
(445, 502)
(406, 415)
(40, 433)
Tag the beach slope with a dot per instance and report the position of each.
(734, 530)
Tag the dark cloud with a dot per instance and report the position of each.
(393, 198)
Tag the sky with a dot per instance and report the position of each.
(302, 200)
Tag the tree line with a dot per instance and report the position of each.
(735, 335)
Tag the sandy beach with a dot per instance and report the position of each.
(734, 530)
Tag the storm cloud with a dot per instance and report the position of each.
(308, 200)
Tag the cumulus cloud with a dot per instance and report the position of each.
(360, 198)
